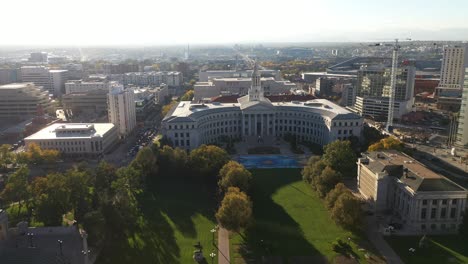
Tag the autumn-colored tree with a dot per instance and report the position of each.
(313, 168)
(50, 155)
(387, 143)
(333, 195)
(235, 212)
(168, 108)
(6, 156)
(233, 174)
(188, 96)
(347, 212)
(326, 181)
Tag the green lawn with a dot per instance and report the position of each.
(175, 216)
(291, 220)
(441, 249)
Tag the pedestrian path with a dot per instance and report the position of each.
(223, 246)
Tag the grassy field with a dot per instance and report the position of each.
(291, 223)
(441, 249)
(175, 216)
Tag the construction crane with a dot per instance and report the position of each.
(391, 101)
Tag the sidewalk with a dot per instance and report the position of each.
(377, 240)
(223, 246)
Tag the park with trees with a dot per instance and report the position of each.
(168, 200)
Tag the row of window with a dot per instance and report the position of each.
(442, 227)
(442, 214)
(443, 201)
(182, 143)
(61, 143)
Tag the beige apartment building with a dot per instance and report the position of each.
(422, 200)
(76, 139)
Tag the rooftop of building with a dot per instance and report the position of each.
(326, 74)
(407, 170)
(186, 110)
(52, 71)
(43, 248)
(13, 86)
(72, 131)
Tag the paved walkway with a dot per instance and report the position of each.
(377, 240)
(223, 246)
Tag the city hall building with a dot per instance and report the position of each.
(189, 125)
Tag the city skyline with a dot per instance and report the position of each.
(210, 22)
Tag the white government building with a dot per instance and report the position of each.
(320, 121)
(76, 139)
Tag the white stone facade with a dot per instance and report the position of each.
(76, 140)
(420, 199)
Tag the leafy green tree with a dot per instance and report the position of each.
(125, 189)
(233, 174)
(173, 160)
(78, 182)
(326, 181)
(105, 174)
(347, 212)
(235, 212)
(51, 198)
(16, 188)
(207, 160)
(313, 168)
(94, 223)
(333, 195)
(340, 156)
(146, 162)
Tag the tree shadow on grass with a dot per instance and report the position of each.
(274, 232)
(181, 199)
(151, 240)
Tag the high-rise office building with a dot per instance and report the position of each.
(373, 91)
(452, 74)
(40, 57)
(51, 80)
(462, 135)
(58, 78)
(122, 111)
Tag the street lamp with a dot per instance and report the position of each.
(213, 231)
(60, 242)
(212, 255)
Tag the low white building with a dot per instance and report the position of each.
(319, 121)
(76, 139)
(153, 78)
(80, 86)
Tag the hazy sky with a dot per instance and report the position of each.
(146, 22)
